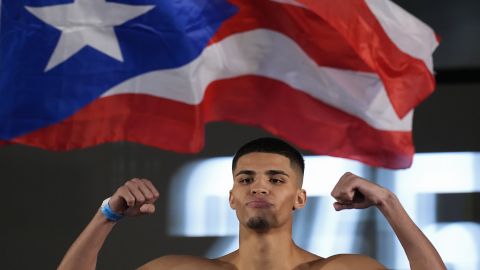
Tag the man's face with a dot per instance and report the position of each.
(266, 190)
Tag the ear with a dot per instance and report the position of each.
(231, 200)
(300, 199)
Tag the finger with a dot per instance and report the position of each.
(340, 184)
(346, 194)
(121, 199)
(147, 193)
(347, 177)
(344, 190)
(152, 188)
(147, 208)
(135, 191)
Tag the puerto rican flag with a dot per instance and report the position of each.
(334, 77)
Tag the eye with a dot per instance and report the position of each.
(245, 180)
(276, 181)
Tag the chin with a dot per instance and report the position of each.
(259, 223)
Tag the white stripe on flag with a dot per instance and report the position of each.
(411, 35)
(273, 55)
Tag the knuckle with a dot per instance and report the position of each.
(129, 183)
(130, 201)
(121, 189)
(146, 181)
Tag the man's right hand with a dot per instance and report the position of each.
(136, 197)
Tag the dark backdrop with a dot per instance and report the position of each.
(48, 197)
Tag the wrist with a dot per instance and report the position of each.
(389, 203)
(108, 213)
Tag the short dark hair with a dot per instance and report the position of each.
(274, 146)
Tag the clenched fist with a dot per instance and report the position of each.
(354, 192)
(136, 197)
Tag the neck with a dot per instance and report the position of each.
(272, 249)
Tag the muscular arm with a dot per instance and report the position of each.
(353, 192)
(84, 251)
(420, 251)
(134, 198)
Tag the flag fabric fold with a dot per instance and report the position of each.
(335, 78)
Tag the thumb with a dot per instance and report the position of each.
(340, 206)
(147, 209)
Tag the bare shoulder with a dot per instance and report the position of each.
(183, 262)
(348, 261)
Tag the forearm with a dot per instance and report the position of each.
(420, 251)
(84, 251)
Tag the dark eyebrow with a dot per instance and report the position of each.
(275, 172)
(247, 172)
(269, 172)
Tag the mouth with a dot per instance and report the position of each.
(259, 204)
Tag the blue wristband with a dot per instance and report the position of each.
(108, 212)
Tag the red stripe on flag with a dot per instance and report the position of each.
(171, 125)
(408, 80)
(315, 36)
(3, 143)
(341, 35)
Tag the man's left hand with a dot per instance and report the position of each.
(354, 192)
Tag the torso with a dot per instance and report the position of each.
(337, 262)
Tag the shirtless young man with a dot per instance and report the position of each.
(267, 188)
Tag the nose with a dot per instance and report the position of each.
(259, 189)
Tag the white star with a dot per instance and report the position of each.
(86, 23)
